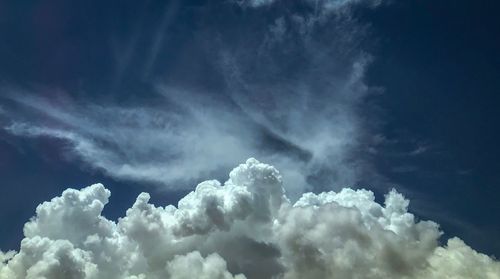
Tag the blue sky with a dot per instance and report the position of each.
(157, 96)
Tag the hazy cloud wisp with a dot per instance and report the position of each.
(289, 98)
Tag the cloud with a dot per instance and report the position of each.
(193, 265)
(255, 3)
(244, 228)
(325, 5)
(290, 94)
(140, 144)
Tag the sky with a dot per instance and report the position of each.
(395, 97)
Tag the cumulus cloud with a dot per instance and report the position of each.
(244, 228)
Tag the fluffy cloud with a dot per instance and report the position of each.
(193, 265)
(244, 228)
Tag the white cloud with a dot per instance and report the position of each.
(244, 228)
(193, 265)
(189, 137)
(139, 144)
(290, 96)
(462, 261)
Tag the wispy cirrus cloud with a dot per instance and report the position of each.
(322, 6)
(288, 97)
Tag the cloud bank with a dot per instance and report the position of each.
(244, 228)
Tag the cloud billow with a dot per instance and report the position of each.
(244, 228)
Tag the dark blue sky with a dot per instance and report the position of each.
(434, 74)
(439, 64)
